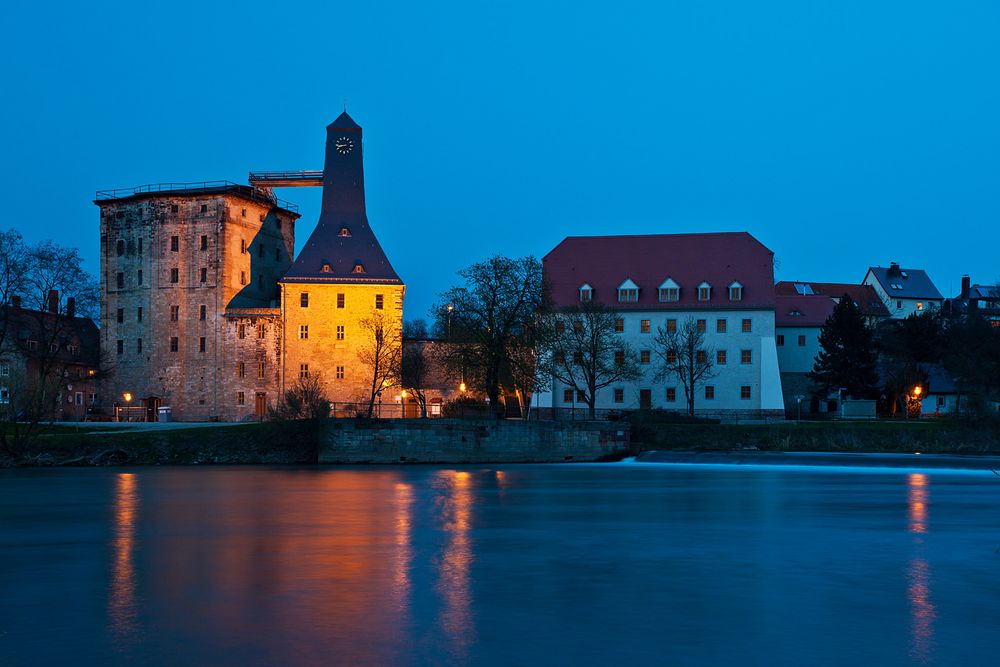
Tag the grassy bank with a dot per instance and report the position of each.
(878, 436)
(267, 443)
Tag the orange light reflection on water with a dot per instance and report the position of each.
(121, 602)
(453, 572)
(922, 611)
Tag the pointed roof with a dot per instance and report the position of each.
(343, 247)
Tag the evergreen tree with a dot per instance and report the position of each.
(847, 354)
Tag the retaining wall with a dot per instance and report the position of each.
(469, 441)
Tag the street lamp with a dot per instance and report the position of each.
(128, 400)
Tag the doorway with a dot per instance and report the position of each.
(260, 405)
(152, 408)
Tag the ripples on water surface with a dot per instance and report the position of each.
(578, 564)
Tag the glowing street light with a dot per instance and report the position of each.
(461, 387)
(917, 391)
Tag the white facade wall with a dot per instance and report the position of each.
(793, 357)
(761, 374)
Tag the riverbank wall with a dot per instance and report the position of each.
(470, 441)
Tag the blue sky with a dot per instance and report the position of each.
(840, 133)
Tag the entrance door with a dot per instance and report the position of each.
(152, 413)
(260, 405)
(645, 399)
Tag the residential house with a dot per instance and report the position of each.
(903, 291)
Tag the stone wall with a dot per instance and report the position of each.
(469, 441)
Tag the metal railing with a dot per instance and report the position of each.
(196, 186)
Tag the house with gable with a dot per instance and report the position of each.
(903, 291)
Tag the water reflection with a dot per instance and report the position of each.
(121, 602)
(453, 571)
(922, 610)
(404, 548)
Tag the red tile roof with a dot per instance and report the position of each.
(605, 262)
(864, 295)
(802, 311)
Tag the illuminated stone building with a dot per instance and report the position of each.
(203, 309)
(340, 279)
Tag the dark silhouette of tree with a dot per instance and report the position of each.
(847, 357)
(683, 355)
(906, 346)
(484, 318)
(415, 371)
(585, 353)
(972, 357)
(305, 400)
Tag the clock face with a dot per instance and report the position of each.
(344, 145)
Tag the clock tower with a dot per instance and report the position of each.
(341, 277)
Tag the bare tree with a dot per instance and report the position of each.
(415, 372)
(585, 352)
(381, 354)
(682, 354)
(484, 317)
(306, 400)
(13, 270)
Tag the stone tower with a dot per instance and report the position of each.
(340, 278)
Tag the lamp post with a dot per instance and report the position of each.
(402, 404)
(917, 391)
(128, 404)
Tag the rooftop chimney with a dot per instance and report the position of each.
(71, 307)
(966, 286)
(53, 301)
(894, 269)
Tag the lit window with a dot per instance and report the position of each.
(644, 326)
(920, 305)
(303, 370)
(325, 268)
(359, 268)
(340, 373)
(340, 332)
(720, 326)
(344, 231)
(745, 392)
(619, 325)
(304, 331)
(567, 395)
(720, 357)
(747, 326)
(746, 356)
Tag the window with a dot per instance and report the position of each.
(359, 268)
(628, 295)
(720, 326)
(138, 346)
(243, 277)
(304, 331)
(344, 231)
(260, 331)
(340, 301)
(204, 275)
(121, 346)
(619, 325)
(671, 356)
(260, 370)
(173, 343)
(4, 370)
(75, 349)
(120, 280)
(704, 292)
(745, 392)
(78, 398)
(241, 370)
(140, 245)
(260, 251)
(340, 373)
(702, 326)
(120, 247)
(619, 357)
(567, 395)
(202, 312)
(325, 268)
(920, 305)
(671, 394)
(580, 398)
(747, 326)
(899, 304)
(175, 275)
(138, 277)
(378, 302)
(304, 300)
(701, 357)
(667, 294)
(138, 314)
(175, 313)
(780, 340)
(204, 208)
(746, 356)
(619, 395)
(802, 340)
(175, 243)
(720, 357)
(644, 326)
(303, 370)
(201, 344)
(644, 357)
(241, 331)
(204, 242)
(243, 246)
(243, 213)
(340, 332)
(736, 292)
(240, 398)
(121, 315)
(671, 326)
(586, 294)
(709, 392)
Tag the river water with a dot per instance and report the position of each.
(560, 565)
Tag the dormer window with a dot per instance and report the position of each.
(325, 268)
(628, 292)
(704, 292)
(359, 268)
(735, 291)
(586, 293)
(344, 231)
(669, 291)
